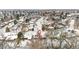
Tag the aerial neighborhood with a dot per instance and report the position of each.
(39, 29)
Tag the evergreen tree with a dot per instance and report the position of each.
(17, 16)
(15, 22)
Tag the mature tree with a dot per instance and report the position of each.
(7, 29)
(2, 19)
(20, 36)
(27, 20)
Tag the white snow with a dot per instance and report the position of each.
(10, 36)
(24, 43)
(72, 22)
(29, 34)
